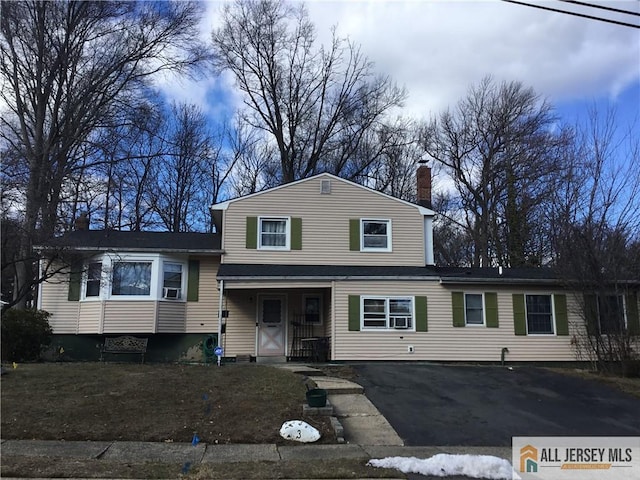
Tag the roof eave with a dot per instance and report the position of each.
(485, 281)
(133, 249)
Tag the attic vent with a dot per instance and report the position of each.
(325, 187)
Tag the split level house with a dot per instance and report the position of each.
(321, 268)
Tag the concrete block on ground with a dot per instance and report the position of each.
(337, 429)
(155, 452)
(369, 430)
(321, 452)
(300, 368)
(325, 411)
(335, 385)
(240, 453)
(44, 448)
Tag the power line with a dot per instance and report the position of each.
(615, 22)
(602, 7)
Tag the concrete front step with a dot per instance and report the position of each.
(269, 360)
(335, 385)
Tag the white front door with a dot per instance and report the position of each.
(272, 314)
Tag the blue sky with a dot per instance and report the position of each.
(438, 48)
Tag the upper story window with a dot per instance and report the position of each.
(387, 313)
(473, 309)
(539, 315)
(94, 279)
(172, 280)
(131, 278)
(376, 235)
(273, 233)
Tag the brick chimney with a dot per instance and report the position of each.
(423, 176)
(82, 222)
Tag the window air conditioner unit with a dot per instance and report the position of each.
(400, 322)
(173, 293)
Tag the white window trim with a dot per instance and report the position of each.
(104, 280)
(484, 316)
(183, 280)
(389, 247)
(304, 304)
(157, 277)
(387, 299)
(287, 245)
(553, 315)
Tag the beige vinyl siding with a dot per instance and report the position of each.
(64, 314)
(171, 317)
(90, 317)
(202, 316)
(443, 341)
(325, 225)
(129, 316)
(240, 338)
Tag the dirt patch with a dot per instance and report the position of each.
(340, 371)
(161, 403)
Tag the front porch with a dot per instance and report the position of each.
(276, 323)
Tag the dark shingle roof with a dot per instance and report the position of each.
(100, 240)
(259, 271)
(452, 275)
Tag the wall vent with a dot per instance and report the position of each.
(325, 187)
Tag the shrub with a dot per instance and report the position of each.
(24, 334)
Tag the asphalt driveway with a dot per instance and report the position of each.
(486, 405)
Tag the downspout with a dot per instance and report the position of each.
(39, 300)
(221, 299)
(333, 320)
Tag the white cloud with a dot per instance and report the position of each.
(438, 48)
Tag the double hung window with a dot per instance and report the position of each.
(94, 277)
(610, 314)
(387, 313)
(539, 315)
(274, 233)
(172, 280)
(473, 309)
(376, 235)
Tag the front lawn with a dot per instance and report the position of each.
(157, 403)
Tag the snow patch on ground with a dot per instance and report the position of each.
(444, 465)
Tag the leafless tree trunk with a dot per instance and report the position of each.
(317, 104)
(69, 68)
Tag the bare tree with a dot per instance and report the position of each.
(500, 150)
(68, 69)
(597, 241)
(317, 104)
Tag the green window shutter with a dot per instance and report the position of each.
(354, 313)
(591, 313)
(252, 233)
(491, 307)
(562, 319)
(193, 281)
(633, 319)
(519, 314)
(75, 282)
(421, 314)
(354, 234)
(296, 234)
(457, 305)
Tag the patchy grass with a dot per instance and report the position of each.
(43, 467)
(156, 403)
(626, 385)
(340, 371)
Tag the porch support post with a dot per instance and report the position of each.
(220, 301)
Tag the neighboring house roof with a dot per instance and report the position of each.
(107, 240)
(446, 275)
(234, 271)
(224, 205)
